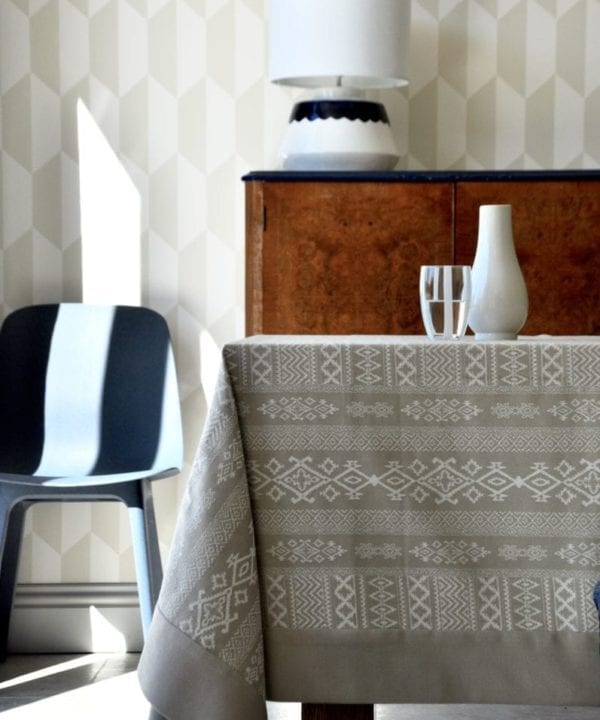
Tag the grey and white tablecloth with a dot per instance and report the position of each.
(375, 520)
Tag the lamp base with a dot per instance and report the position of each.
(338, 135)
(322, 162)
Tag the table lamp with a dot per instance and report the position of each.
(339, 48)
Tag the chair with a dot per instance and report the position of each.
(89, 411)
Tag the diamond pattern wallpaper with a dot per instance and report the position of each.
(178, 90)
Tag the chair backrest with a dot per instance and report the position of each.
(87, 391)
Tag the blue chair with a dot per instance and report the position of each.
(89, 411)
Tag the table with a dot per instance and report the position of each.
(386, 520)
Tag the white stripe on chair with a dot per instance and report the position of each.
(72, 437)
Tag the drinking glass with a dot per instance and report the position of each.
(445, 293)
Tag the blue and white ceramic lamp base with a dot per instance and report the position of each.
(338, 135)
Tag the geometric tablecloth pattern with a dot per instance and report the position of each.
(387, 520)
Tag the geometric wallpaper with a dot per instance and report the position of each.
(505, 84)
(179, 90)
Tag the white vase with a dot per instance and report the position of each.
(499, 301)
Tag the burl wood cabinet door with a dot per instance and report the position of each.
(342, 257)
(556, 227)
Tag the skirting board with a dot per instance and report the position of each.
(75, 618)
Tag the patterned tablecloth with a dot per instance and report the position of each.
(387, 520)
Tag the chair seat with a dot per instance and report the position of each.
(84, 480)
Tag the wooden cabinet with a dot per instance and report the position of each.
(336, 253)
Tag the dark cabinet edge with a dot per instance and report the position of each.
(424, 176)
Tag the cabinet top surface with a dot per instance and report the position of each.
(423, 176)
(330, 340)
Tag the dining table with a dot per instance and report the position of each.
(386, 519)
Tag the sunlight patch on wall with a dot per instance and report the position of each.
(210, 362)
(105, 636)
(110, 220)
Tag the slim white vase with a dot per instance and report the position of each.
(499, 301)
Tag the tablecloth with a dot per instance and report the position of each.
(375, 520)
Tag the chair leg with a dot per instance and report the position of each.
(11, 532)
(146, 552)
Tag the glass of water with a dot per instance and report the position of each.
(445, 293)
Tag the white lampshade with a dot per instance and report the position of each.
(340, 47)
(356, 43)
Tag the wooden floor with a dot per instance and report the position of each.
(66, 687)
(90, 687)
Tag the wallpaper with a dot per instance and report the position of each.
(177, 104)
